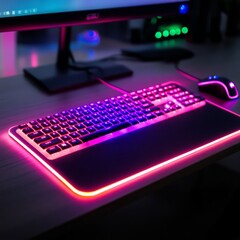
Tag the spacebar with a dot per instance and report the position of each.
(105, 131)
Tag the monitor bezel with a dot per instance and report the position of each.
(53, 20)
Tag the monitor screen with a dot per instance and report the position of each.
(32, 14)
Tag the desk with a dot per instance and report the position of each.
(31, 201)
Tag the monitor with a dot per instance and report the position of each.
(18, 15)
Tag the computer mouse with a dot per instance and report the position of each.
(219, 86)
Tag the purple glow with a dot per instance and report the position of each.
(221, 84)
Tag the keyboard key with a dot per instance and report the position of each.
(88, 123)
(65, 138)
(37, 127)
(98, 126)
(57, 115)
(150, 116)
(54, 149)
(55, 127)
(70, 117)
(42, 139)
(107, 124)
(63, 125)
(114, 121)
(80, 126)
(147, 105)
(35, 134)
(75, 142)
(49, 117)
(45, 124)
(50, 143)
(41, 120)
(74, 135)
(64, 145)
(62, 119)
(27, 130)
(91, 129)
(47, 130)
(96, 121)
(71, 129)
(159, 113)
(83, 132)
(105, 131)
(133, 121)
(142, 119)
(33, 122)
(62, 131)
(54, 121)
(54, 134)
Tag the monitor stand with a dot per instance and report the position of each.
(60, 76)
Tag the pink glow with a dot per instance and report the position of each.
(151, 170)
(8, 54)
(219, 83)
(34, 59)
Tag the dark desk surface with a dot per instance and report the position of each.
(32, 201)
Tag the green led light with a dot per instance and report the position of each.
(154, 21)
(159, 17)
(178, 31)
(172, 32)
(184, 30)
(158, 35)
(165, 33)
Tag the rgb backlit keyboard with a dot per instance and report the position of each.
(71, 130)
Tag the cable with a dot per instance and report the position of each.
(88, 70)
(111, 86)
(116, 57)
(186, 73)
(79, 66)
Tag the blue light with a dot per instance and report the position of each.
(183, 9)
(89, 37)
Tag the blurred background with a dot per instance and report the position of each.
(207, 20)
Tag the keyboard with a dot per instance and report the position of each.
(100, 146)
(72, 130)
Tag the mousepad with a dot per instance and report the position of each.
(118, 161)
